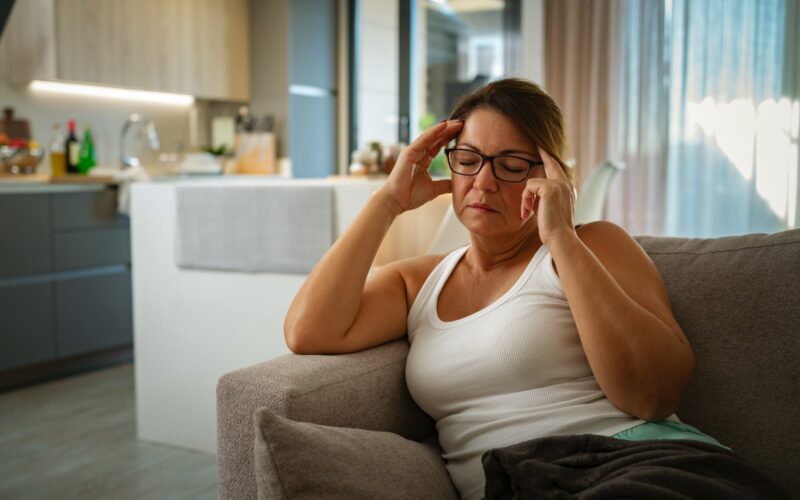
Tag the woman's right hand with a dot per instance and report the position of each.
(410, 185)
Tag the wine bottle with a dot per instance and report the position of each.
(72, 149)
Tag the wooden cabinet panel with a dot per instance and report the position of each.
(93, 313)
(220, 48)
(198, 47)
(24, 234)
(27, 46)
(27, 335)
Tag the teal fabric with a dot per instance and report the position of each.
(665, 429)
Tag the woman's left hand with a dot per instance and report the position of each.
(551, 201)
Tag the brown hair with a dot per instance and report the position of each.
(534, 112)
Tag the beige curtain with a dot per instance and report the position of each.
(607, 76)
(577, 43)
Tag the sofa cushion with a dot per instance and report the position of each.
(738, 301)
(302, 460)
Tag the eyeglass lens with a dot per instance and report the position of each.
(506, 168)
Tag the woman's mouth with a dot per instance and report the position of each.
(481, 207)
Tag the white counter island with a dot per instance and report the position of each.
(193, 325)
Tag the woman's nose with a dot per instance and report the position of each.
(485, 180)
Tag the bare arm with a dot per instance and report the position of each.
(638, 353)
(640, 356)
(338, 309)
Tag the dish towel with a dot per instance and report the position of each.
(123, 178)
(253, 228)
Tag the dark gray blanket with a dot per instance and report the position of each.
(598, 467)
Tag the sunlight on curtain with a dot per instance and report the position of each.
(638, 110)
(732, 151)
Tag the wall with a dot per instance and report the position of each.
(104, 117)
(269, 65)
(378, 77)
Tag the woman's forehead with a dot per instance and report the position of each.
(491, 131)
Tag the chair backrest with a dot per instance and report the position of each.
(450, 235)
(594, 191)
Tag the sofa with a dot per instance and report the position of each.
(298, 424)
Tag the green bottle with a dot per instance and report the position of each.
(86, 158)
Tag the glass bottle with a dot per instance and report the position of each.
(58, 160)
(86, 159)
(71, 149)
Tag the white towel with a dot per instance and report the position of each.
(253, 228)
(123, 177)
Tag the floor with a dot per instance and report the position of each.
(75, 438)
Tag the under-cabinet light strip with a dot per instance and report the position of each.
(111, 93)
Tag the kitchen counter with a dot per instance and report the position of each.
(46, 187)
(43, 183)
(193, 325)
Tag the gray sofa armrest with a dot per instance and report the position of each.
(365, 390)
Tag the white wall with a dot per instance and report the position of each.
(378, 72)
(104, 117)
(532, 27)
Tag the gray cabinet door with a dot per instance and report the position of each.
(24, 234)
(27, 335)
(93, 313)
(91, 248)
(90, 209)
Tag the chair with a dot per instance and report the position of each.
(450, 235)
(592, 197)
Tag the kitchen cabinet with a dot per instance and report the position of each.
(198, 47)
(27, 331)
(65, 278)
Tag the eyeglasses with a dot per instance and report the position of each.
(504, 167)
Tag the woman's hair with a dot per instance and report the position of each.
(534, 112)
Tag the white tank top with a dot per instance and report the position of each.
(512, 371)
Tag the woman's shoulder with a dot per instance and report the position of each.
(415, 271)
(603, 234)
(613, 246)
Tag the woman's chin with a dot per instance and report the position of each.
(483, 228)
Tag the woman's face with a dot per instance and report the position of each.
(485, 205)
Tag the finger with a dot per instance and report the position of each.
(428, 140)
(528, 196)
(552, 168)
(447, 135)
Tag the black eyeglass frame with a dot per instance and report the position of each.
(490, 159)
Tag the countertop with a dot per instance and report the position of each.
(19, 184)
(44, 183)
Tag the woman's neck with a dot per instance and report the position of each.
(486, 254)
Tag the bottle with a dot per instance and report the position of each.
(71, 149)
(58, 166)
(86, 158)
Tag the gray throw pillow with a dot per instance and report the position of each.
(301, 460)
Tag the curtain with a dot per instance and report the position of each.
(577, 37)
(729, 157)
(638, 126)
(698, 98)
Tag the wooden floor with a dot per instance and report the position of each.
(76, 439)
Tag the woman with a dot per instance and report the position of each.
(537, 328)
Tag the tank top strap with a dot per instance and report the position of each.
(433, 282)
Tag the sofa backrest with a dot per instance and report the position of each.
(738, 301)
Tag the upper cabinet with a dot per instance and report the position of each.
(198, 47)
